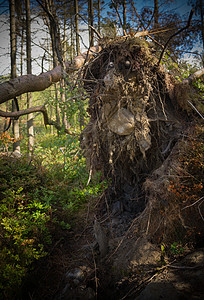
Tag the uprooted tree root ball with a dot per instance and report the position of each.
(137, 117)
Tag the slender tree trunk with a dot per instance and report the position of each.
(63, 82)
(30, 129)
(116, 20)
(13, 38)
(202, 21)
(22, 42)
(57, 110)
(72, 40)
(55, 40)
(156, 13)
(55, 61)
(99, 16)
(76, 7)
(16, 145)
(124, 15)
(22, 52)
(90, 16)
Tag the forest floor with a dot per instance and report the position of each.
(133, 267)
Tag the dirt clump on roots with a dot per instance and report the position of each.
(134, 120)
(138, 130)
(144, 137)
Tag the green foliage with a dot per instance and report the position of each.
(23, 230)
(38, 198)
(62, 157)
(170, 250)
(200, 86)
(163, 253)
(176, 249)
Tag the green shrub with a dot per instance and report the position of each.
(23, 232)
(23, 222)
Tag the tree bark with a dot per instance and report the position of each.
(156, 13)
(202, 21)
(16, 145)
(30, 129)
(124, 14)
(76, 8)
(63, 82)
(12, 38)
(72, 39)
(90, 17)
(99, 16)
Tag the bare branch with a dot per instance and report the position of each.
(176, 33)
(94, 29)
(142, 24)
(116, 9)
(30, 110)
(23, 112)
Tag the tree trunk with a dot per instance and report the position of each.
(16, 145)
(156, 13)
(12, 38)
(90, 16)
(124, 14)
(99, 16)
(72, 39)
(30, 129)
(63, 82)
(202, 21)
(57, 110)
(22, 43)
(116, 21)
(76, 7)
(56, 49)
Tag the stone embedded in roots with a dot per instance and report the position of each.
(122, 122)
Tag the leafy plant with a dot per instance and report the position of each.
(23, 232)
(176, 249)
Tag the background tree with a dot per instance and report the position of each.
(76, 7)
(99, 15)
(30, 128)
(124, 4)
(13, 38)
(91, 18)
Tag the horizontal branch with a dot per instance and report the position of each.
(32, 83)
(40, 108)
(23, 112)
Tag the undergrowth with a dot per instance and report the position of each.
(37, 198)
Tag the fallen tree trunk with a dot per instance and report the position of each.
(32, 83)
